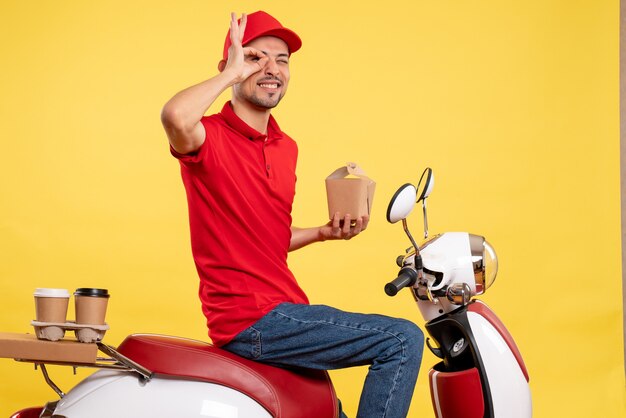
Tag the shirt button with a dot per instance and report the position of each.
(268, 167)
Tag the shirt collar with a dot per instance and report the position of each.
(235, 122)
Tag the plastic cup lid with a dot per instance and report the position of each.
(90, 291)
(44, 292)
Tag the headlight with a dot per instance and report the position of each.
(485, 263)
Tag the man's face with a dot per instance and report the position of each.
(267, 87)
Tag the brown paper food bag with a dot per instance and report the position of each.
(349, 191)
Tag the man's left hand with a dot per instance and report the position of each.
(343, 228)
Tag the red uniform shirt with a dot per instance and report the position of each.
(240, 187)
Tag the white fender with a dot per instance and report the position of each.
(509, 388)
(122, 394)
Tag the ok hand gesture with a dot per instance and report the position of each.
(242, 62)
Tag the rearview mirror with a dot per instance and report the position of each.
(402, 203)
(426, 184)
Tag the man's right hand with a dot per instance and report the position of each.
(242, 61)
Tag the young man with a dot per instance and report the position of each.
(238, 168)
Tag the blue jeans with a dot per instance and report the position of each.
(321, 337)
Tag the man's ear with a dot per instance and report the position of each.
(221, 65)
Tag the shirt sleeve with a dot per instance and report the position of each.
(200, 154)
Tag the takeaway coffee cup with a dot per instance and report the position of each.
(51, 305)
(91, 305)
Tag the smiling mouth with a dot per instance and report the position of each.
(269, 85)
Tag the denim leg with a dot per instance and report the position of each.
(322, 337)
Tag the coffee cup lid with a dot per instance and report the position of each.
(46, 292)
(90, 291)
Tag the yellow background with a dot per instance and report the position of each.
(513, 104)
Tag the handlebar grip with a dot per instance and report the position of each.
(407, 277)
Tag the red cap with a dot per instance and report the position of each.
(262, 24)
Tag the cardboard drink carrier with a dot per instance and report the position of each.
(49, 344)
(349, 191)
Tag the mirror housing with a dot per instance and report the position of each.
(426, 184)
(402, 203)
